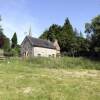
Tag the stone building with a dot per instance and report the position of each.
(31, 47)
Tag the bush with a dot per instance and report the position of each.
(12, 52)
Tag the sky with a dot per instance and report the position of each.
(19, 15)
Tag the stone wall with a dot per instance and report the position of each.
(26, 48)
(44, 52)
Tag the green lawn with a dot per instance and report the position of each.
(50, 79)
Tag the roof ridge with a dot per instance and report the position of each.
(40, 39)
(40, 42)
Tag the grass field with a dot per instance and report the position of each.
(50, 79)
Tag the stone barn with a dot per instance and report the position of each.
(34, 47)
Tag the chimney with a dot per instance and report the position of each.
(56, 44)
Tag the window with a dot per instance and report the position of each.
(49, 55)
(39, 55)
(53, 55)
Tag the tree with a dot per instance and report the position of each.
(76, 33)
(44, 35)
(1, 30)
(4, 41)
(93, 30)
(6, 45)
(1, 36)
(14, 40)
(52, 33)
(67, 36)
(71, 41)
(81, 34)
(64, 34)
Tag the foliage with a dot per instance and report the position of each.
(93, 33)
(67, 36)
(15, 51)
(4, 41)
(52, 33)
(1, 36)
(44, 35)
(72, 43)
(14, 40)
(63, 34)
(6, 46)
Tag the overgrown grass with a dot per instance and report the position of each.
(49, 79)
(64, 62)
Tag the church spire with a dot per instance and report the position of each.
(30, 31)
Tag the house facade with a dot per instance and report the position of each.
(33, 47)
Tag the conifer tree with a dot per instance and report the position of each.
(67, 36)
(14, 40)
(93, 32)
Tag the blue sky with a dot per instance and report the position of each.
(18, 15)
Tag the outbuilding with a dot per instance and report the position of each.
(34, 47)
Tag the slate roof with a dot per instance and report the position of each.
(40, 43)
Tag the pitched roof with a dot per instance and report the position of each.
(40, 43)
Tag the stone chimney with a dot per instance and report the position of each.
(56, 45)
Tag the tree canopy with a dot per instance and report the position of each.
(14, 40)
(92, 30)
(68, 39)
(4, 41)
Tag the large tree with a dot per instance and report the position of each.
(14, 40)
(4, 41)
(93, 33)
(71, 41)
(67, 36)
(64, 35)
(52, 33)
(1, 36)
